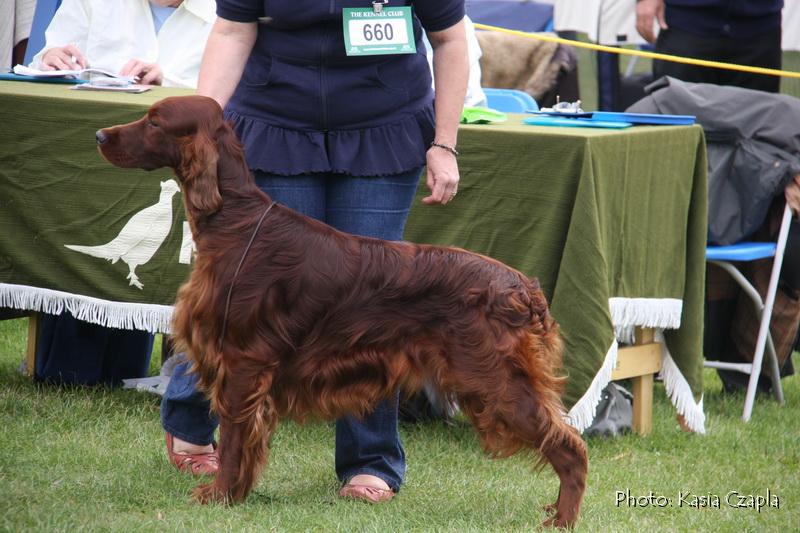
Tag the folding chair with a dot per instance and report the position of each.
(510, 100)
(724, 257)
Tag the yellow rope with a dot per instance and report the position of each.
(643, 53)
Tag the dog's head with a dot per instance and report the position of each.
(180, 132)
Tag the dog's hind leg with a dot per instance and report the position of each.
(247, 419)
(535, 421)
(569, 459)
(523, 411)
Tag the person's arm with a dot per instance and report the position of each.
(65, 38)
(228, 47)
(646, 11)
(792, 194)
(146, 73)
(450, 74)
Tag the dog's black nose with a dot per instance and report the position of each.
(101, 137)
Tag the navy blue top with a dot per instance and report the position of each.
(732, 18)
(304, 106)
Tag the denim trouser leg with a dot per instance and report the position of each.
(371, 446)
(185, 410)
(368, 206)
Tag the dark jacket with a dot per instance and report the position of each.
(304, 106)
(753, 142)
(734, 18)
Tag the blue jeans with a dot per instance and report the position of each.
(371, 207)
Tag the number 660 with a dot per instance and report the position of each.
(379, 32)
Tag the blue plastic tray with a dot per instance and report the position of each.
(575, 122)
(644, 118)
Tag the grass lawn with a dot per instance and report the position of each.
(93, 459)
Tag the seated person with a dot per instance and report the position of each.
(754, 169)
(161, 42)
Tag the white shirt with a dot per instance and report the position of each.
(15, 25)
(475, 96)
(791, 23)
(111, 32)
(609, 22)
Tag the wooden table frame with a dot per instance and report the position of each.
(641, 362)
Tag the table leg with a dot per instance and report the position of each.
(30, 352)
(640, 362)
(643, 389)
(643, 404)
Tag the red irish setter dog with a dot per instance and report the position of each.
(286, 317)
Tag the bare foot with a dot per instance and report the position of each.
(365, 480)
(182, 447)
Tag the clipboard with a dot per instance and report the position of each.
(10, 76)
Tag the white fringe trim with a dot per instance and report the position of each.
(627, 313)
(679, 391)
(148, 317)
(583, 412)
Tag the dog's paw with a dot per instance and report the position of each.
(558, 522)
(551, 508)
(209, 493)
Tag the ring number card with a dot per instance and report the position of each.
(389, 31)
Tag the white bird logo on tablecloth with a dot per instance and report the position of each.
(141, 236)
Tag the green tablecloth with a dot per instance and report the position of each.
(613, 223)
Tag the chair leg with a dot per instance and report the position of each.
(775, 371)
(769, 302)
(758, 357)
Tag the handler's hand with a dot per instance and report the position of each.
(63, 58)
(147, 73)
(646, 11)
(792, 194)
(442, 176)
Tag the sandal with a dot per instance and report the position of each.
(365, 493)
(193, 463)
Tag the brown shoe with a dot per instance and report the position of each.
(366, 493)
(193, 463)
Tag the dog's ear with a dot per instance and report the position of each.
(199, 157)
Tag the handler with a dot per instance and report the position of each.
(335, 110)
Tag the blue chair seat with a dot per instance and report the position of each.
(510, 100)
(743, 251)
(724, 256)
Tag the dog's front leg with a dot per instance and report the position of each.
(247, 420)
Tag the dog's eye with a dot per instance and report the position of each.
(152, 124)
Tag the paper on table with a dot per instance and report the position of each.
(129, 88)
(86, 73)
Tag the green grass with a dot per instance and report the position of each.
(83, 459)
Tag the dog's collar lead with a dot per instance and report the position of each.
(236, 273)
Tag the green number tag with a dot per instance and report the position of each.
(369, 33)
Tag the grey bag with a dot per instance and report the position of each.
(614, 414)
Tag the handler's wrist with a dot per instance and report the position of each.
(443, 146)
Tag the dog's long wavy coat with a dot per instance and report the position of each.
(321, 323)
